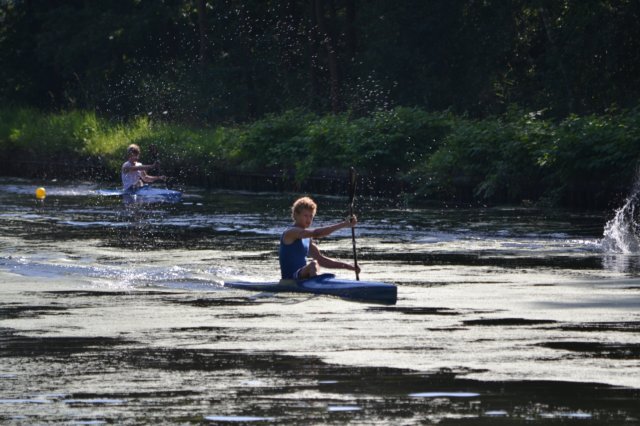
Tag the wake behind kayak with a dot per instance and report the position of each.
(327, 284)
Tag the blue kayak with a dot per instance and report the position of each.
(328, 284)
(144, 194)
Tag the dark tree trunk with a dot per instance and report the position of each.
(251, 94)
(332, 56)
(546, 22)
(202, 28)
(314, 85)
(351, 29)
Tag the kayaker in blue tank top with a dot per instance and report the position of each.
(296, 243)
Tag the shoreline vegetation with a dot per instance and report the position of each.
(516, 158)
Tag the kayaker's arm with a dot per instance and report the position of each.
(327, 230)
(143, 168)
(296, 233)
(150, 179)
(143, 172)
(327, 262)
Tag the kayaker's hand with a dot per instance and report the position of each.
(162, 178)
(353, 220)
(156, 164)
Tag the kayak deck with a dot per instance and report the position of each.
(327, 284)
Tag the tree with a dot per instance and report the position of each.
(206, 61)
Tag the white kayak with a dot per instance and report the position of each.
(144, 194)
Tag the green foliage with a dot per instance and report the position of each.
(394, 142)
(275, 142)
(580, 161)
(494, 159)
(75, 136)
(593, 157)
(387, 143)
(34, 134)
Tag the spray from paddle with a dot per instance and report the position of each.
(622, 233)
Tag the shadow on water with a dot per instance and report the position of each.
(598, 350)
(271, 386)
(631, 327)
(490, 258)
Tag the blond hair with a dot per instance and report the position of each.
(133, 148)
(304, 203)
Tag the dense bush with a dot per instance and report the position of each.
(580, 161)
(387, 143)
(593, 158)
(276, 142)
(496, 159)
(394, 142)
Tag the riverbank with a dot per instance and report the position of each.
(518, 157)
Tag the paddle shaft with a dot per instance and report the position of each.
(355, 256)
(352, 194)
(154, 155)
(153, 149)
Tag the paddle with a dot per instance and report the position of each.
(352, 194)
(153, 150)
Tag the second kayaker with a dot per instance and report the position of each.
(134, 174)
(296, 243)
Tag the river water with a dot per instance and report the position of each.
(115, 313)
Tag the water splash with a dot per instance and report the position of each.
(622, 233)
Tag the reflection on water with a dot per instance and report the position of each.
(116, 314)
(621, 263)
